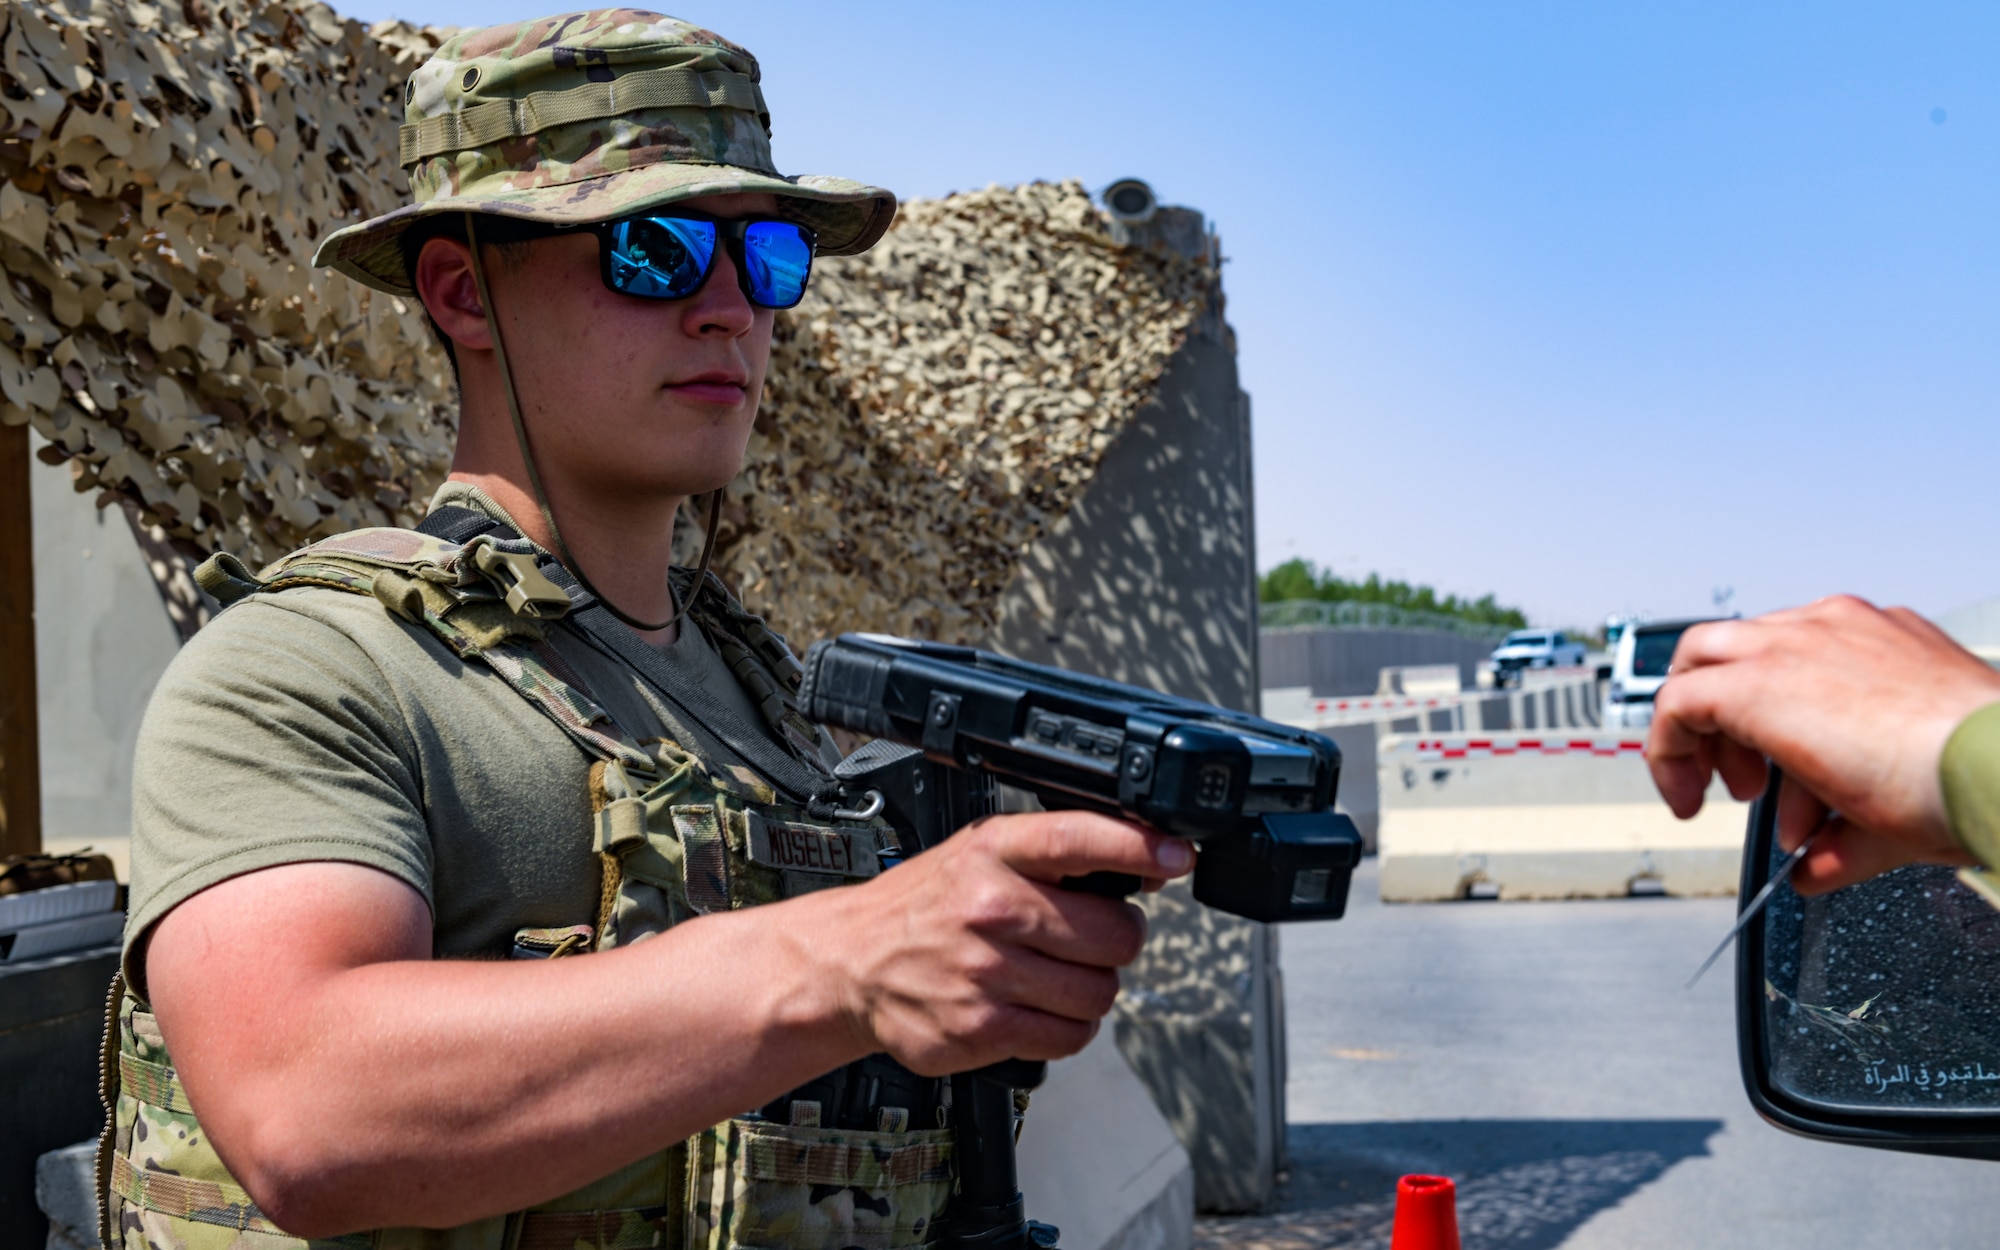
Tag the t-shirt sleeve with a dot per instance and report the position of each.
(1970, 774)
(273, 738)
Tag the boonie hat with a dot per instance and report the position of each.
(585, 117)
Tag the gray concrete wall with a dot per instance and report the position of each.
(1151, 579)
(102, 639)
(1339, 661)
(1098, 1160)
(1145, 580)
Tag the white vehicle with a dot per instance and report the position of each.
(1533, 648)
(1639, 666)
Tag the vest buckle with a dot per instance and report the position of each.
(529, 592)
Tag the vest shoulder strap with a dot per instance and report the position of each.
(485, 599)
(758, 655)
(783, 749)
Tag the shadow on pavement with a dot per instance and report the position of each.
(1522, 1184)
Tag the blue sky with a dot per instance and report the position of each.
(1596, 306)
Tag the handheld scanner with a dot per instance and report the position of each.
(1258, 796)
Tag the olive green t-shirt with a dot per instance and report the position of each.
(313, 724)
(1970, 775)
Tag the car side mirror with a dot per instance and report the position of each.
(1871, 1016)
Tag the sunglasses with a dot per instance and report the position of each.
(670, 255)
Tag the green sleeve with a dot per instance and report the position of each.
(1970, 773)
(272, 738)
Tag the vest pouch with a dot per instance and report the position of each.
(756, 1185)
(683, 841)
(662, 847)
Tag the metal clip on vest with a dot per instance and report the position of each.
(871, 807)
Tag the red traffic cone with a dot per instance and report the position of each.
(1426, 1214)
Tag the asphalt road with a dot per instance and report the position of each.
(1545, 1056)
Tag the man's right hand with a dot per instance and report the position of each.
(972, 952)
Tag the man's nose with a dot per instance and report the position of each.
(721, 307)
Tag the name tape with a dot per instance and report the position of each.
(799, 847)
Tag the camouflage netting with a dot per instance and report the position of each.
(933, 407)
(936, 404)
(166, 170)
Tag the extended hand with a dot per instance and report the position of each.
(1853, 702)
(971, 952)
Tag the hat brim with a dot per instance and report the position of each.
(847, 216)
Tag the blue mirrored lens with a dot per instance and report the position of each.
(661, 257)
(777, 259)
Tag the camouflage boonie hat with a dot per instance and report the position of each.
(587, 117)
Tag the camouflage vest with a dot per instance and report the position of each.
(678, 836)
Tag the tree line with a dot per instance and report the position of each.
(1298, 579)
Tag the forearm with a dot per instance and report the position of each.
(350, 1082)
(433, 1093)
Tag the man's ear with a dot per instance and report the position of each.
(451, 295)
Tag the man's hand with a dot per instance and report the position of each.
(1854, 703)
(972, 952)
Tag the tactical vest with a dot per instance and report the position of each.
(677, 836)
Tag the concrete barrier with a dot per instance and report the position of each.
(1100, 1162)
(1523, 815)
(1570, 701)
(1419, 679)
(66, 1191)
(1151, 578)
(1296, 705)
(1565, 699)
